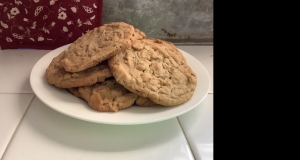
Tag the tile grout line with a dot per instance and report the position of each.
(186, 137)
(210, 92)
(17, 127)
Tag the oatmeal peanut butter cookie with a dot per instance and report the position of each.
(99, 44)
(144, 102)
(107, 96)
(55, 74)
(74, 91)
(154, 69)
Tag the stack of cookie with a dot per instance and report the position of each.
(115, 66)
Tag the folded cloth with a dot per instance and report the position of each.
(46, 24)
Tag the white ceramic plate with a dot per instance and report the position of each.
(64, 102)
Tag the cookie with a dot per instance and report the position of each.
(144, 102)
(155, 69)
(55, 74)
(99, 44)
(107, 96)
(74, 91)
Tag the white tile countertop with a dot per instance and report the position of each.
(31, 130)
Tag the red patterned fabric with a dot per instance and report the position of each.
(46, 24)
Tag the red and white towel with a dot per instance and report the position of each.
(46, 24)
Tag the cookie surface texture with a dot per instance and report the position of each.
(107, 96)
(55, 74)
(155, 69)
(99, 44)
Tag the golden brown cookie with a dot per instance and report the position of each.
(107, 96)
(155, 69)
(99, 44)
(74, 91)
(55, 74)
(144, 102)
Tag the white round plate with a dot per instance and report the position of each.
(64, 102)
